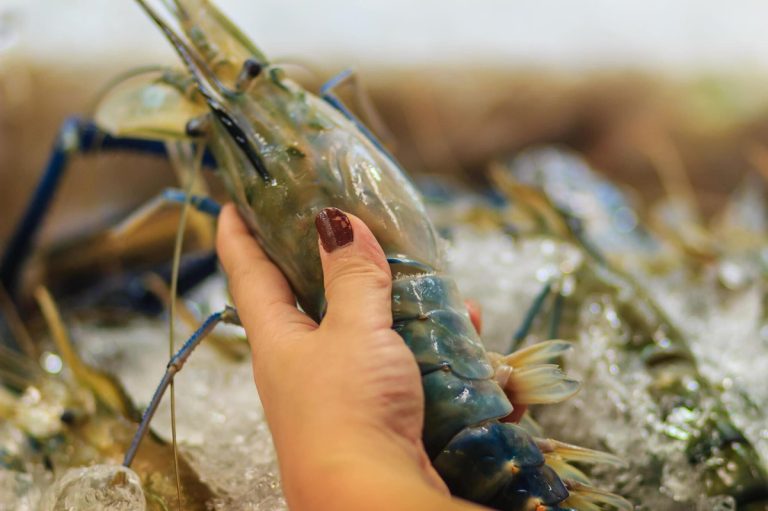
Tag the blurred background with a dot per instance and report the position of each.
(634, 85)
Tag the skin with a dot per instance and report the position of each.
(343, 399)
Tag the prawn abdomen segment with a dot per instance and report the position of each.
(432, 320)
(479, 457)
(482, 461)
(454, 403)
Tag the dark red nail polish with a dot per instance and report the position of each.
(334, 228)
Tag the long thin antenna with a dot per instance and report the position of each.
(229, 316)
(191, 175)
(120, 79)
(212, 90)
(200, 70)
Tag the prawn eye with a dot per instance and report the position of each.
(250, 70)
(68, 417)
(197, 127)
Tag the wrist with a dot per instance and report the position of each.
(348, 481)
(346, 463)
(324, 435)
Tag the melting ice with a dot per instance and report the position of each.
(223, 434)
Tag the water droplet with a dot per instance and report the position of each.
(692, 385)
(625, 219)
(568, 286)
(612, 318)
(51, 362)
(99, 488)
(732, 275)
(675, 432)
(31, 396)
(547, 247)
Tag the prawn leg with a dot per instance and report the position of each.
(169, 196)
(228, 316)
(557, 315)
(536, 307)
(533, 311)
(76, 137)
(130, 290)
(327, 93)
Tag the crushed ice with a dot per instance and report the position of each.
(223, 434)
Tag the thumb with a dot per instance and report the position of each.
(357, 278)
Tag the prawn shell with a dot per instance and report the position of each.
(486, 451)
(443, 338)
(539, 484)
(431, 318)
(415, 297)
(454, 403)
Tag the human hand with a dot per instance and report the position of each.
(343, 397)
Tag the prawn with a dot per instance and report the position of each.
(283, 154)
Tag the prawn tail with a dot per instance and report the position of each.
(480, 457)
(508, 470)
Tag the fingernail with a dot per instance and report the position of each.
(334, 228)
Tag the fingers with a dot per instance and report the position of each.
(258, 287)
(358, 282)
(357, 277)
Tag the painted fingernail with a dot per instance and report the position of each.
(334, 228)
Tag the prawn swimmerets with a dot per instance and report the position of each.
(283, 155)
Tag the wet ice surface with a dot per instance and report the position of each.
(20, 491)
(95, 488)
(728, 336)
(613, 411)
(220, 422)
(221, 427)
(504, 275)
(21, 487)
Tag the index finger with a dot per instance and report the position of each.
(263, 297)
